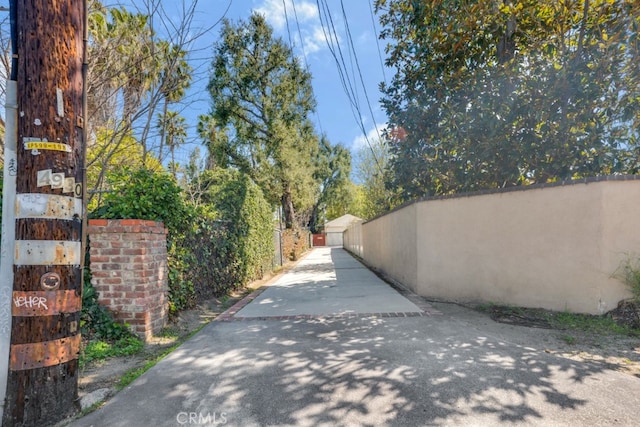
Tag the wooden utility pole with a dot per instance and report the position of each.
(45, 302)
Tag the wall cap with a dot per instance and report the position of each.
(125, 222)
(581, 181)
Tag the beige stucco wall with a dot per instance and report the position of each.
(352, 238)
(554, 247)
(389, 244)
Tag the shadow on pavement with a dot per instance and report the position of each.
(368, 372)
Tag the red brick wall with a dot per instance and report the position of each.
(129, 271)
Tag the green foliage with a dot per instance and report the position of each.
(372, 172)
(145, 194)
(261, 99)
(602, 325)
(220, 244)
(242, 210)
(588, 323)
(99, 350)
(629, 273)
(112, 151)
(174, 132)
(332, 170)
(210, 263)
(348, 200)
(154, 195)
(181, 289)
(491, 95)
(96, 322)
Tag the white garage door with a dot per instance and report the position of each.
(334, 239)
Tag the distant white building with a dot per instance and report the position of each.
(334, 229)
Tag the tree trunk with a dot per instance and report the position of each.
(163, 128)
(42, 382)
(313, 220)
(287, 209)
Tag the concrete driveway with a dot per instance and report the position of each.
(317, 348)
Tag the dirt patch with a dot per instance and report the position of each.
(620, 352)
(616, 352)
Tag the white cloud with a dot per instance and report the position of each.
(316, 40)
(306, 11)
(373, 134)
(274, 12)
(313, 36)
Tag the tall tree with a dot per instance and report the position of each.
(495, 94)
(175, 80)
(133, 74)
(371, 167)
(261, 98)
(333, 167)
(174, 128)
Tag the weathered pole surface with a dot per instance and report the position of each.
(42, 383)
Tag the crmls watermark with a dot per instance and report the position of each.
(201, 418)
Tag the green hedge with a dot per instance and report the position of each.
(240, 205)
(222, 244)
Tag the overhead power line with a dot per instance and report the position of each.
(286, 18)
(355, 57)
(304, 56)
(375, 33)
(331, 37)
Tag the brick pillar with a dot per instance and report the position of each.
(129, 271)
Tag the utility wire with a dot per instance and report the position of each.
(342, 71)
(375, 33)
(330, 42)
(286, 18)
(355, 56)
(304, 56)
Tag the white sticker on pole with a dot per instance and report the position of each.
(47, 252)
(48, 206)
(59, 102)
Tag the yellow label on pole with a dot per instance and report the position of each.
(44, 145)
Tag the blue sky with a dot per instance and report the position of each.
(340, 117)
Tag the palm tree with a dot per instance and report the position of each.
(175, 131)
(175, 78)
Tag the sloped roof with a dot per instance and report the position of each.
(342, 222)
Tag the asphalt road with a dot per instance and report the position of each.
(314, 349)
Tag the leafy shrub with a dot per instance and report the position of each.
(181, 288)
(212, 258)
(155, 195)
(629, 273)
(240, 204)
(144, 194)
(221, 245)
